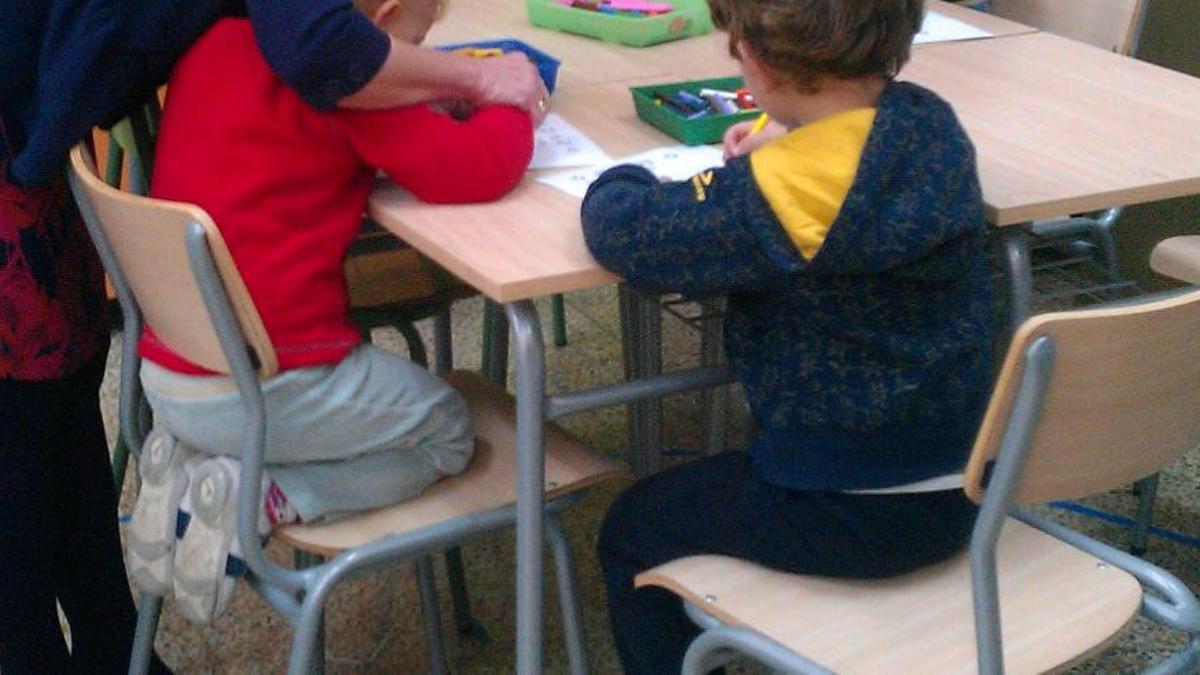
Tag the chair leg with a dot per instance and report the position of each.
(302, 560)
(120, 462)
(116, 162)
(416, 346)
(495, 344)
(308, 638)
(558, 315)
(650, 344)
(443, 344)
(565, 571)
(1102, 233)
(464, 621)
(702, 660)
(149, 609)
(640, 459)
(485, 355)
(318, 647)
(143, 155)
(434, 649)
(1147, 491)
(712, 398)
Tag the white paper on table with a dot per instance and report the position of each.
(941, 28)
(558, 144)
(676, 162)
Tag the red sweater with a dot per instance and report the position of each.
(287, 184)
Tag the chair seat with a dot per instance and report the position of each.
(1178, 258)
(1058, 604)
(488, 481)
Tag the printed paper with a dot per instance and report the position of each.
(941, 28)
(676, 162)
(558, 144)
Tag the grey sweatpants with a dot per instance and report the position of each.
(371, 430)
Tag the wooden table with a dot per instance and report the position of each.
(529, 244)
(1059, 127)
(1062, 127)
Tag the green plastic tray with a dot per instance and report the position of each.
(690, 17)
(700, 131)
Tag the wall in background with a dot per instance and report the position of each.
(1171, 39)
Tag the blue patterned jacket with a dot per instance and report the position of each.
(868, 366)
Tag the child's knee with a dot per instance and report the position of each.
(450, 443)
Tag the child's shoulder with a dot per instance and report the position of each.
(908, 109)
(230, 40)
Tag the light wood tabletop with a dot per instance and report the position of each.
(1062, 127)
(1059, 126)
(588, 61)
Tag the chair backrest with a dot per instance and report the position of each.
(1122, 400)
(1178, 258)
(1114, 25)
(148, 239)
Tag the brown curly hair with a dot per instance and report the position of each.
(803, 40)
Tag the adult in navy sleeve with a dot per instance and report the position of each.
(67, 66)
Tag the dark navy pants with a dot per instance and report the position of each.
(58, 531)
(719, 505)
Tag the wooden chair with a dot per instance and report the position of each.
(1113, 25)
(1177, 258)
(169, 264)
(1086, 401)
(390, 285)
(130, 153)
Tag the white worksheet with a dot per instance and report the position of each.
(941, 28)
(676, 162)
(557, 144)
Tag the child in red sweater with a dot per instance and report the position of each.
(350, 427)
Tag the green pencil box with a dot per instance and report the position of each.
(690, 17)
(699, 131)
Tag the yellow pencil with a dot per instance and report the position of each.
(760, 123)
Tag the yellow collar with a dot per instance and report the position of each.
(806, 175)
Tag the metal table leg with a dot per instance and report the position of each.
(712, 400)
(534, 409)
(1014, 241)
(649, 346)
(530, 374)
(631, 339)
(496, 356)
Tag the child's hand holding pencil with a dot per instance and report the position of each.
(745, 137)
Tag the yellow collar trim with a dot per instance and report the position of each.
(806, 175)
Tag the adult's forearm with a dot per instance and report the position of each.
(333, 56)
(412, 74)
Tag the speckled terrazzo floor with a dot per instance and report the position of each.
(373, 621)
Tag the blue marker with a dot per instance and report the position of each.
(691, 100)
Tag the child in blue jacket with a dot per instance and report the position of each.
(849, 237)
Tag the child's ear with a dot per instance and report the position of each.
(384, 13)
(756, 69)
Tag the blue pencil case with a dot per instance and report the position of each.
(547, 65)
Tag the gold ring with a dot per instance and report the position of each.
(541, 104)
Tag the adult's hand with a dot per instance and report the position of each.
(511, 79)
(413, 74)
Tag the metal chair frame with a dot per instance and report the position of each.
(1169, 601)
(1093, 231)
(299, 594)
